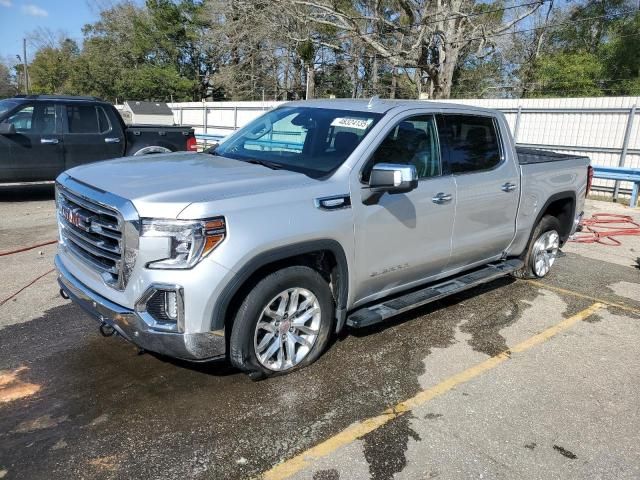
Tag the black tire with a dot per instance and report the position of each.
(242, 347)
(547, 223)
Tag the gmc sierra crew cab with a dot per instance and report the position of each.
(43, 135)
(315, 216)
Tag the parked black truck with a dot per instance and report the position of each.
(43, 135)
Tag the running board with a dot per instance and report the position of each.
(391, 307)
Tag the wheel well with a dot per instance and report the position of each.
(563, 210)
(322, 261)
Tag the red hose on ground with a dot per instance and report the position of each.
(602, 227)
(15, 294)
(24, 249)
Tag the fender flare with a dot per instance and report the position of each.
(566, 195)
(221, 306)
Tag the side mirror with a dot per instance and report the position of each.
(7, 129)
(211, 148)
(390, 178)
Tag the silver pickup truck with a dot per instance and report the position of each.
(314, 216)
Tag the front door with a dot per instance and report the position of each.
(488, 184)
(404, 238)
(34, 152)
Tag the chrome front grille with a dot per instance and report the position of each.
(93, 233)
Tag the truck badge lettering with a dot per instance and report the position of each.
(394, 268)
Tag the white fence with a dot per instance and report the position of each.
(607, 129)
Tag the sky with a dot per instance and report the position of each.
(18, 18)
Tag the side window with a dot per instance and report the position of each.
(470, 142)
(39, 119)
(412, 141)
(22, 120)
(103, 121)
(83, 119)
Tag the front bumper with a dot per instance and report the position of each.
(131, 326)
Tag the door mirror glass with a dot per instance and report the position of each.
(7, 129)
(393, 178)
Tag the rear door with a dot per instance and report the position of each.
(89, 135)
(35, 150)
(488, 185)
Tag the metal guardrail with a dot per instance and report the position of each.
(622, 151)
(623, 175)
(206, 139)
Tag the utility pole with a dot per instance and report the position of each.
(24, 66)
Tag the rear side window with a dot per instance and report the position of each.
(470, 143)
(87, 119)
(103, 122)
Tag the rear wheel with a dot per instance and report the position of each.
(151, 150)
(542, 250)
(284, 323)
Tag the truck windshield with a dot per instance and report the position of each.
(314, 141)
(6, 105)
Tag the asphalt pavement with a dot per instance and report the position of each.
(513, 379)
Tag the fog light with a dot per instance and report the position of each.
(171, 305)
(162, 307)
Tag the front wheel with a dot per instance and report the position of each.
(283, 324)
(542, 250)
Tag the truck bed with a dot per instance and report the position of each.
(527, 156)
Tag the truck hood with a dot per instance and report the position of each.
(163, 185)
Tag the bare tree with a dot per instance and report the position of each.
(427, 36)
(532, 48)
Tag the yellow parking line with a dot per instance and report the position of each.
(582, 295)
(359, 429)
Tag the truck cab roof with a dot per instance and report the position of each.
(57, 98)
(379, 105)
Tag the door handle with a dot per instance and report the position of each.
(49, 141)
(112, 140)
(509, 187)
(441, 198)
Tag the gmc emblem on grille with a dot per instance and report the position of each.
(76, 218)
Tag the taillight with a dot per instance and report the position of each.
(192, 145)
(589, 178)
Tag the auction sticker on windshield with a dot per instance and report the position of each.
(357, 123)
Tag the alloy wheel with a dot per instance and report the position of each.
(545, 251)
(287, 329)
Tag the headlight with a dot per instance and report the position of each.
(191, 240)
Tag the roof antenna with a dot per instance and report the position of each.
(373, 100)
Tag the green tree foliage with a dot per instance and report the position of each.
(569, 75)
(593, 53)
(165, 83)
(150, 52)
(477, 77)
(7, 84)
(185, 50)
(51, 69)
(621, 57)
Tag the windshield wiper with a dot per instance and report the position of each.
(264, 163)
